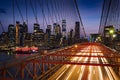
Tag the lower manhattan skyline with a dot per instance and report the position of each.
(60, 40)
(91, 21)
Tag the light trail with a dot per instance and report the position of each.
(68, 66)
(61, 74)
(107, 70)
(76, 72)
(79, 59)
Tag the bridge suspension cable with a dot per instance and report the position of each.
(50, 15)
(2, 26)
(53, 10)
(76, 5)
(34, 11)
(19, 10)
(26, 5)
(41, 4)
(13, 12)
(103, 6)
(110, 14)
(57, 12)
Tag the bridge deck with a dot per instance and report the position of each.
(36, 65)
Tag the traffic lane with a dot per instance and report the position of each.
(57, 74)
(77, 71)
(109, 71)
(95, 71)
(71, 71)
(72, 74)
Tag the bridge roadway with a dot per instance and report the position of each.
(85, 61)
(86, 72)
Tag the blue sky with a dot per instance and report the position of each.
(90, 11)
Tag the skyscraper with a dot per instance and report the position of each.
(17, 33)
(25, 31)
(22, 35)
(49, 27)
(36, 27)
(20, 31)
(11, 34)
(48, 32)
(25, 26)
(4, 39)
(77, 32)
(64, 28)
(56, 29)
(38, 37)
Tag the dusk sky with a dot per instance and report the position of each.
(90, 11)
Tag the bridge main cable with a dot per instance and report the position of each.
(79, 16)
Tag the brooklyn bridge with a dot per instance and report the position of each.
(47, 40)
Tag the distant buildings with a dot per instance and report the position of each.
(18, 35)
(108, 35)
(64, 28)
(56, 29)
(77, 32)
(11, 35)
(21, 30)
(4, 40)
(36, 28)
(48, 33)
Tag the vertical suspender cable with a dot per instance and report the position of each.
(63, 8)
(73, 11)
(79, 17)
(33, 11)
(53, 10)
(57, 10)
(117, 13)
(41, 6)
(2, 27)
(13, 12)
(60, 7)
(101, 20)
(108, 11)
(19, 10)
(26, 12)
(50, 13)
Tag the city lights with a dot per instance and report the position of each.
(111, 31)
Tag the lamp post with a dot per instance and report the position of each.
(111, 32)
(112, 36)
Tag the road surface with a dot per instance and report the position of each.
(83, 72)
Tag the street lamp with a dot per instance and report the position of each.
(111, 31)
(114, 35)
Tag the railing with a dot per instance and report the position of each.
(42, 66)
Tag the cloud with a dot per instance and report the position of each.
(3, 11)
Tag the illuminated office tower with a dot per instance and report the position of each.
(17, 33)
(56, 28)
(64, 28)
(77, 32)
(22, 35)
(25, 26)
(11, 34)
(48, 32)
(36, 28)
